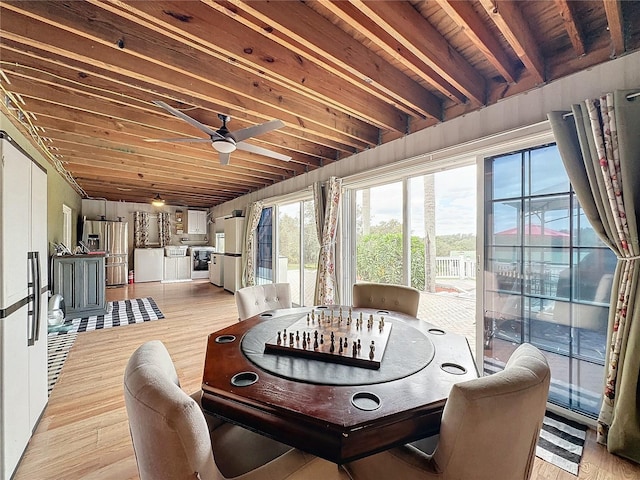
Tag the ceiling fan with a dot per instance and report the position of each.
(222, 140)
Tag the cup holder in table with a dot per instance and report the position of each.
(453, 368)
(366, 401)
(436, 331)
(382, 312)
(244, 379)
(225, 339)
(266, 315)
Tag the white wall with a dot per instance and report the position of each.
(507, 115)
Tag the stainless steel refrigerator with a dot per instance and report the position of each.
(111, 238)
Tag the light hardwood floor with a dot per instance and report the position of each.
(84, 432)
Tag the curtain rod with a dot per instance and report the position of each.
(629, 97)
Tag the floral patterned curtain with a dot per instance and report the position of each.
(140, 229)
(327, 204)
(164, 228)
(600, 147)
(254, 211)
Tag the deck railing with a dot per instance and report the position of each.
(455, 267)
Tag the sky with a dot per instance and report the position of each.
(455, 192)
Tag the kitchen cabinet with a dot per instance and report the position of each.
(197, 222)
(233, 235)
(177, 269)
(80, 279)
(232, 273)
(23, 300)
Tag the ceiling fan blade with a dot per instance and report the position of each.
(179, 140)
(256, 130)
(187, 119)
(247, 147)
(224, 158)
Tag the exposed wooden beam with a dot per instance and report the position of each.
(304, 31)
(155, 59)
(358, 21)
(468, 20)
(416, 34)
(572, 26)
(613, 10)
(95, 79)
(508, 17)
(231, 42)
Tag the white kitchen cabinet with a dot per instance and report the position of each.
(233, 235)
(232, 273)
(23, 300)
(197, 222)
(177, 269)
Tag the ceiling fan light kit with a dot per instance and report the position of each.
(223, 141)
(224, 146)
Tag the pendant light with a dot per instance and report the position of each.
(157, 201)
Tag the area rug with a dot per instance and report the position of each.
(122, 312)
(561, 440)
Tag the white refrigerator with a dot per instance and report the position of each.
(233, 238)
(23, 301)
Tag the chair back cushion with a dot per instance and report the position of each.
(260, 298)
(385, 296)
(490, 425)
(168, 429)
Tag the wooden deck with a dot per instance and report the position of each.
(84, 432)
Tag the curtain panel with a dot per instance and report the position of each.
(327, 205)
(599, 142)
(254, 211)
(164, 228)
(140, 229)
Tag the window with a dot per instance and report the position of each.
(547, 275)
(298, 250)
(379, 236)
(264, 247)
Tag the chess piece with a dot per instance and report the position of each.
(279, 341)
(355, 349)
(322, 338)
(358, 344)
(291, 339)
(372, 350)
(297, 336)
(304, 342)
(308, 319)
(340, 348)
(332, 347)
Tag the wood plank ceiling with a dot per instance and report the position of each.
(343, 76)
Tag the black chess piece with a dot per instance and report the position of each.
(279, 341)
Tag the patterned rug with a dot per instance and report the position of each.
(561, 442)
(123, 312)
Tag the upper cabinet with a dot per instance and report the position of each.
(197, 222)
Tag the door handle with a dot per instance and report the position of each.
(32, 309)
(37, 295)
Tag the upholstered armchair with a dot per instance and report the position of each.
(260, 298)
(489, 431)
(385, 296)
(172, 441)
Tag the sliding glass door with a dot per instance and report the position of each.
(547, 277)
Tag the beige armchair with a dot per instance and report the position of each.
(260, 298)
(386, 296)
(490, 428)
(172, 441)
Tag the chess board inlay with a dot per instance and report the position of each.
(338, 338)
